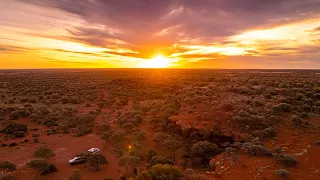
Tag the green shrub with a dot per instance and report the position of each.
(43, 152)
(286, 160)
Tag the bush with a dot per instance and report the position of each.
(9, 177)
(19, 134)
(35, 135)
(51, 168)
(166, 171)
(266, 133)
(7, 166)
(12, 144)
(283, 173)
(151, 154)
(81, 131)
(13, 127)
(286, 160)
(14, 115)
(257, 150)
(43, 152)
(204, 150)
(160, 160)
(282, 107)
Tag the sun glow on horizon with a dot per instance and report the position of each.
(156, 62)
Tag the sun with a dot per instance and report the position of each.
(156, 62)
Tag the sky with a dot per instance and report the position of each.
(259, 34)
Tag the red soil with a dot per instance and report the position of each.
(297, 142)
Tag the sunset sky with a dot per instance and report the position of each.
(160, 33)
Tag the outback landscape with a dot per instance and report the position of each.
(160, 124)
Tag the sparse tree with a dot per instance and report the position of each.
(129, 161)
(171, 145)
(138, 136)
(151, 154)
(96, 160)
(136, 147)
(159, 137)
(39, 165)
(118, 139)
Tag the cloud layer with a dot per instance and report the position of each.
(191, 30)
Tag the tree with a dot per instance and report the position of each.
(96, 160)
(43, 152)
(171, 145)
(144, 175)
(160, 160)
(6, 167)
(129, 161)
(204, 150)
(138, 136)
(106, 135)
(136, 147)
(75, 175)
(159, 137)
(39, 165)
(165, 171)
(151, 153)
(117, 138)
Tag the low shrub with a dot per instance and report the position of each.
(19, 134)
(283, 173)
(51, 168)
(14, 127)
(14, 115)
(257, 150)
(9, 177)
(35, 135)
(43, 152)
(282, 107)
(12, 144)
(286, 160)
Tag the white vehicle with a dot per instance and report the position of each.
(93, 150)
(77, 160)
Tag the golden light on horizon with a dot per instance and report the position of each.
(156, 62)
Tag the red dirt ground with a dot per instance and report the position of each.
(294, 142)
(65, 146)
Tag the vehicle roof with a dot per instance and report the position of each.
(94, 149)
